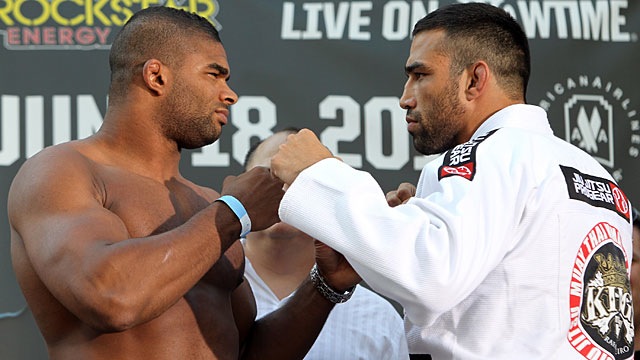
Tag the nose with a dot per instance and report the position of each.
(228, 96)
(408, 100)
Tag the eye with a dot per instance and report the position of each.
(415, 75)
(219, 76)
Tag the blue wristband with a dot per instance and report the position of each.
(236, 206)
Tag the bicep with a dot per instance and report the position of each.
(60, 241)
(60, 221)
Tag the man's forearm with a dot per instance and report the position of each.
(290, 331)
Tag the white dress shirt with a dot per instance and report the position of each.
(366, 327)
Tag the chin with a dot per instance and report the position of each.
(198, 143)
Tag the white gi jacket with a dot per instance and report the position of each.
(517, 244)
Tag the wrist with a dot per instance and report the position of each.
(326, 290)
(241, 213)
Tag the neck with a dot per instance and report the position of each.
(281, 262)
(132, 139)
(482, 113)
(281, 254)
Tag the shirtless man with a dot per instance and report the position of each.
(118, 255)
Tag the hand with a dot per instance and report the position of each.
(400, 196)
(301, 150)
(260, 194)
(335, 268)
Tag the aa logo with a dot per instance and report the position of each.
(589, 125)
(597, 116)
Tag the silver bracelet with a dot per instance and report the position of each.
(326, 290)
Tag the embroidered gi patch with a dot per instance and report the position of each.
(461, 160)
(596, 191)
(601, 308)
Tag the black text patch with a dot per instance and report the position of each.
(461, 160)
(596, 191)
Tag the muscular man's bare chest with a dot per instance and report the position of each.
(148, 207)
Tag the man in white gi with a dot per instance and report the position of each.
(516, 245)
(280, 257)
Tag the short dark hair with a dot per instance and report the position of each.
(478, 31)
(252, 149)
(155, 32)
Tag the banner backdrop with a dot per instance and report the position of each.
(336, 67)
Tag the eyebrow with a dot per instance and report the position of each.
(221, 69)
(413, 67)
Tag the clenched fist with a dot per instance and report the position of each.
(400, 196)
(260, 194)
(299, 152)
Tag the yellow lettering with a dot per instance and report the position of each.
(172, 4)
(97, 11)
(125, 11)
(5, 11)
(146, 3)
(88, 13)
(19, 16)
(94, 10)
(209, 8)
(55, 14)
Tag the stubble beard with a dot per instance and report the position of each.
(184, 124)
(439, 124)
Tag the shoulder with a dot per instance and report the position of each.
(52, 163)
(57, 153)
(55, 171)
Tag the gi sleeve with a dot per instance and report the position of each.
(427, 254)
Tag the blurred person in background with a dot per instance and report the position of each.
(280, 257)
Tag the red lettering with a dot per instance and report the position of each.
(31, 36)
(84, 36)
(65, 36)
(49, 36)
(102, 34)
(13, 36)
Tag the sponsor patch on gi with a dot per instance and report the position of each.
(601, 308)
(596, 191)
(461, 160)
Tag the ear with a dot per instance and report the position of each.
(155, 74)
(477, 81)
